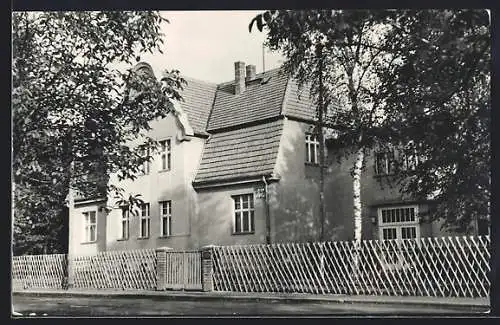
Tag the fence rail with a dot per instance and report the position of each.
(438, 267)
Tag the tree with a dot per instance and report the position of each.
(76, 118)
(442, 93)
(341, 54)
(375, 77)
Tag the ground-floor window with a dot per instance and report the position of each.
(144, 221)
(399, 222)
(243, 214)
(166, 218)
(90, 221)
(124, 223)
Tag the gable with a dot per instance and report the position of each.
(245, 152)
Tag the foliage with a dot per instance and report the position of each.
(397, 77)
(76, 117)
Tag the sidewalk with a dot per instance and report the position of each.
(289, 297)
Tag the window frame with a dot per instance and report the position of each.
(388, 162)
(124, 211)
(148, 221)
(398, 225)
(87, 226)
(165, 153)
(311, 140)
(146, 165)
(167, 216)
(250, 213)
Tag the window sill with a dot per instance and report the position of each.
(89, 242)
(175, 235)
(164, 170)
(122, 239)
(142, 238)
(243, 233)
(311, 164)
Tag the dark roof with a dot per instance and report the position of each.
(298, 102)
(198, 100)
(259, 101)
(245, 152)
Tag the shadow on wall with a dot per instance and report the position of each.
(209, 226)
(295, 199)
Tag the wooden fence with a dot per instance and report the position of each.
(438, 267)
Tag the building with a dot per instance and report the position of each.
(239, 165)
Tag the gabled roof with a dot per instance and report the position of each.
(198, 100)
(244, 152)
(262, 99)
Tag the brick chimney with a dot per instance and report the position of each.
(250, 72)
(239, 77)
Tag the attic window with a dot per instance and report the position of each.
(265, 80)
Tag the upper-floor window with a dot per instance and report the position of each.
(243, 214)
(166, 218)
(146, 165)
(124, 223)
(399, 222)
(409, 157)
(384, 163)
(145, 221)
(312, 149)
(165, 154)
(90, 222)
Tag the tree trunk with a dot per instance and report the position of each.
(356, 184)
(356, 177)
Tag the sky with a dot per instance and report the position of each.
(205, 44)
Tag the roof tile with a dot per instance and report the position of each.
(249, 151)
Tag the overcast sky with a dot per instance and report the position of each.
(205, 44)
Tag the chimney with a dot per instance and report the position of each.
(250, 72)
(239, 77)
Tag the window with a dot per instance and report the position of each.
(166, 218)
(312, 149)
(409, 157)
(384, 162)
(243, 214)
(144, 221)
(124, 223)
(90, 219)
(398, 223)
(146, 166)
(165, 154)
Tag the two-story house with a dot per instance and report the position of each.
(238, 164)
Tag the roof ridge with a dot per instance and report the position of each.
(225, 83)
(187, 78)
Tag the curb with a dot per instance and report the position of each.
(290, 298)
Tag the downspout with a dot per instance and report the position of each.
(268, 217)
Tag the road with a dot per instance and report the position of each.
(151, 306)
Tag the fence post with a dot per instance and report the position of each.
(161, 267)
(207, 269)
(70, 260)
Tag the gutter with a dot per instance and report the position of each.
(268, 216)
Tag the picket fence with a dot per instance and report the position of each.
(438, 267)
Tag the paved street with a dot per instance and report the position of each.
(152, 306)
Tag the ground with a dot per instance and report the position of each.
(155, 306)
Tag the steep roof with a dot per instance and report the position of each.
(244, 152)
(198, 100)
(262, 98)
